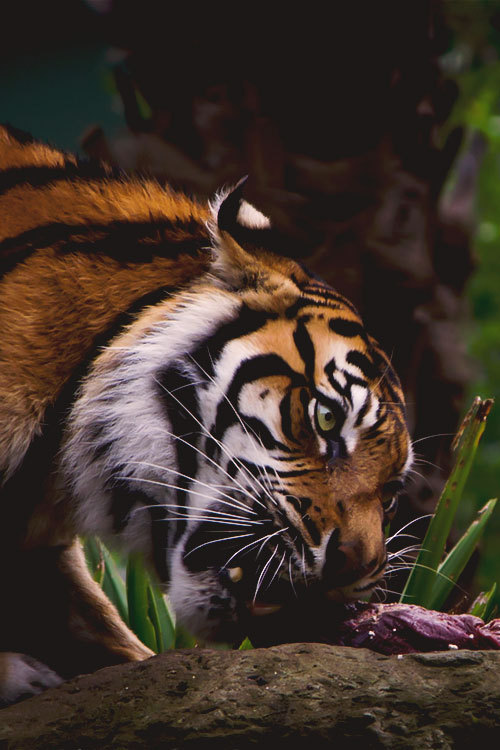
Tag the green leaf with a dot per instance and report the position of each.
(184, 639)
(421, 579)
(483, 603)
(105, 572)
(139, 603)
(94, 559)
(160, 617)
(456, 560)
(246, 645)
(113, 584)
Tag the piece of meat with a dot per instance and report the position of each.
(407, 628)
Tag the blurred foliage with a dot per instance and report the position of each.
(474, 60)
(433, 577)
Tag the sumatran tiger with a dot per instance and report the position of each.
(168, 382)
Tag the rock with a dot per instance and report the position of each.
(305, 695)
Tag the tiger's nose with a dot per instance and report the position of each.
(346, 562)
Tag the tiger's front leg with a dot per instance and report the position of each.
(58, 623)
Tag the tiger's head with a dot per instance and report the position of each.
(255, 427)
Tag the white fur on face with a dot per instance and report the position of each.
(118, 406)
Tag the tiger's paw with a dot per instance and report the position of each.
(22, 676)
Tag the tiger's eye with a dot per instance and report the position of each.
(325, 417)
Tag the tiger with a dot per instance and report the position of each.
(172, 385)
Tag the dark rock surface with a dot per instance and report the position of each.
(300, 695)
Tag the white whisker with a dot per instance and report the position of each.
(429, 437)
(245, 427)
(183, 489)
(263, 573)
(222, 539)
(217, 466)
(256, 541)
(209, 434)
(234, 501)
(277, 570)
(414, 520)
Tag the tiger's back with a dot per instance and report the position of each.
(168, 382)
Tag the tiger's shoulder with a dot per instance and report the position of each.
(82, 248)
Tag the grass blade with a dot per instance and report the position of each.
(456, 560)
(246, 645)
(139, 602)
(160, 617)
(421, 579)
(113, 584)
(482, 605)
(94, 559)
(104, 571)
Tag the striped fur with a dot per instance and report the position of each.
(168, 382)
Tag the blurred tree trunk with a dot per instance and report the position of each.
(338, 118)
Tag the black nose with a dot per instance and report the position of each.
(344, 562)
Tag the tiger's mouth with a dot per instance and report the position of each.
(312, 616)
(281, 596)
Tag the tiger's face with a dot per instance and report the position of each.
(302, 450)
(254, 425)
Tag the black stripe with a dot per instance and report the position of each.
(286, 417)
(247, 321)
(261, 366)
(330, 369)
(123, 240)
(312, 529)
(363, 363)
(43, 175)
(261, 432)
(305, 400)
(301, 504)
(123, 499)
(374, 430)
(364, 409)
(293, 310)
(351, 380)
(172, 381)
(295, 473)
(332, 296)
(348, 328)
(305, 348)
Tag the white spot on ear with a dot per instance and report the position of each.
(250, 217)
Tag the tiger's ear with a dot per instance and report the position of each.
(238, 231)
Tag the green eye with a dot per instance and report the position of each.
(325, 417)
